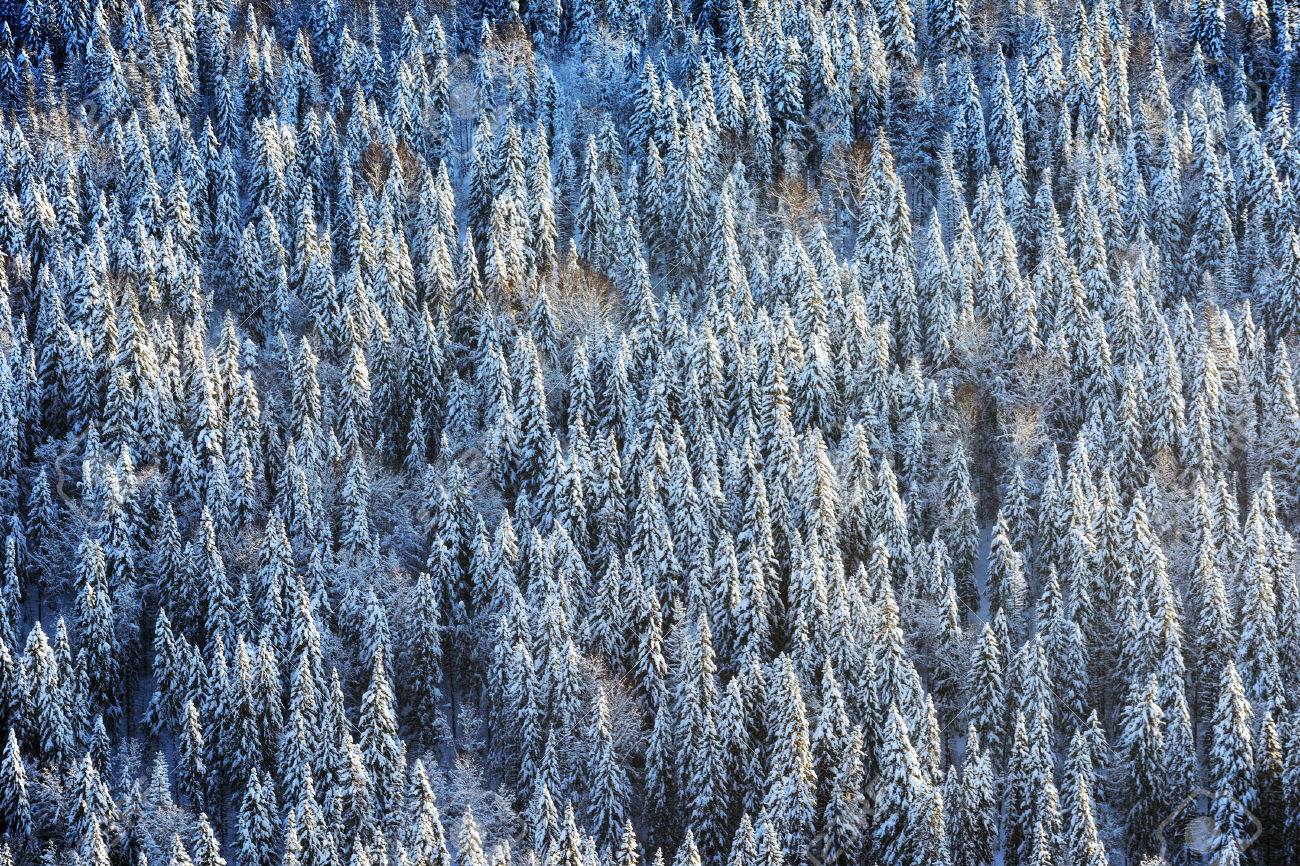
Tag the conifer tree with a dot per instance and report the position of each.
(974, 833)
(791, 794)
(382, 751)
(1231, 770)
(902, 797)
(608, 781)
(257, 824)
(15, 801)
(1143, 743)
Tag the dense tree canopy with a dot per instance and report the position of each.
(583, 433)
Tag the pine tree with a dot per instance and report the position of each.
(257, 824)
(959, 525)
(608, 781)
(902, 796)
(975, 831)
(208, 851)
(426, 656)
(1285, 293)
(791, 790)
(1143, 743)
(987, 690)
(1231, 770)
(46, 703)
(843, 815)
(1006, 580)
(96, 621)
(15, 802)
(104, 68)
(384, 757)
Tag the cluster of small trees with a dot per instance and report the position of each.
(752, 432)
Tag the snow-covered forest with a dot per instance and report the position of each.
(619, 433)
